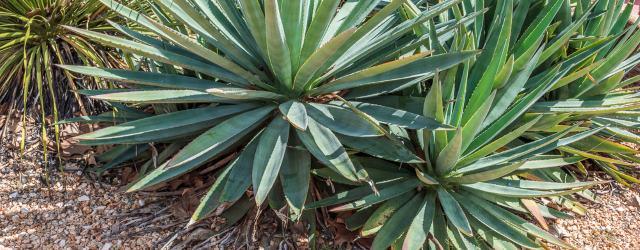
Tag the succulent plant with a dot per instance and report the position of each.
(599, 50)
(477, 182)
(451, 120)
(32, 37)
(284, 83)
(32, 40)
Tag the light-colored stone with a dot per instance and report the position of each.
(106, 246)
(83, 198)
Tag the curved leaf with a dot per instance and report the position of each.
(162, 127)
(153, 96)
(454, 212)
(326, 147)
(295, 113)
(295, 175)
(268, 158)
(244, 94)
(206, 146)
(397, 117)
(342, 120)
(170, 81)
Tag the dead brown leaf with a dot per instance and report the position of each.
(342, 234)
(533, 208)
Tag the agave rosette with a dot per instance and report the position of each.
(600, 51)
(274, 81)
(477, 182)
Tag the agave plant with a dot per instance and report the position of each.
(275, 82)
(594, 45)
(459, 210)
(477, 182)
(600, 52)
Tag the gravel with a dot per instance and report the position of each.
(611, 223)
(64, 216)
(72, 212)
(83, 198)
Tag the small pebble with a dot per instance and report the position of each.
(71, 213)
(106, 246)
(83, 198)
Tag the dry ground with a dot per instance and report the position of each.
(80, 213)
(73, 211)
(611, 223)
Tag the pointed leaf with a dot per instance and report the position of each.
(454, 212)
(295, 176)
(170, 81)
(310, 68)
(421, 223)
(163, 127)
(397, 117)
(244, 94)
(209, 202)
(382, 214)
(381, 147)
(384, 194)
(278, 51)
(238, 181)
(326, 147)
(449, 156)
(268, 158)
(395, 71)
(295, 113)
(397, 224)
(162, 55)
(342, 120)
(206, 146)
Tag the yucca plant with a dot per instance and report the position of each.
(275, 81)
(478, 182)
(32, 40)
(31, 37)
